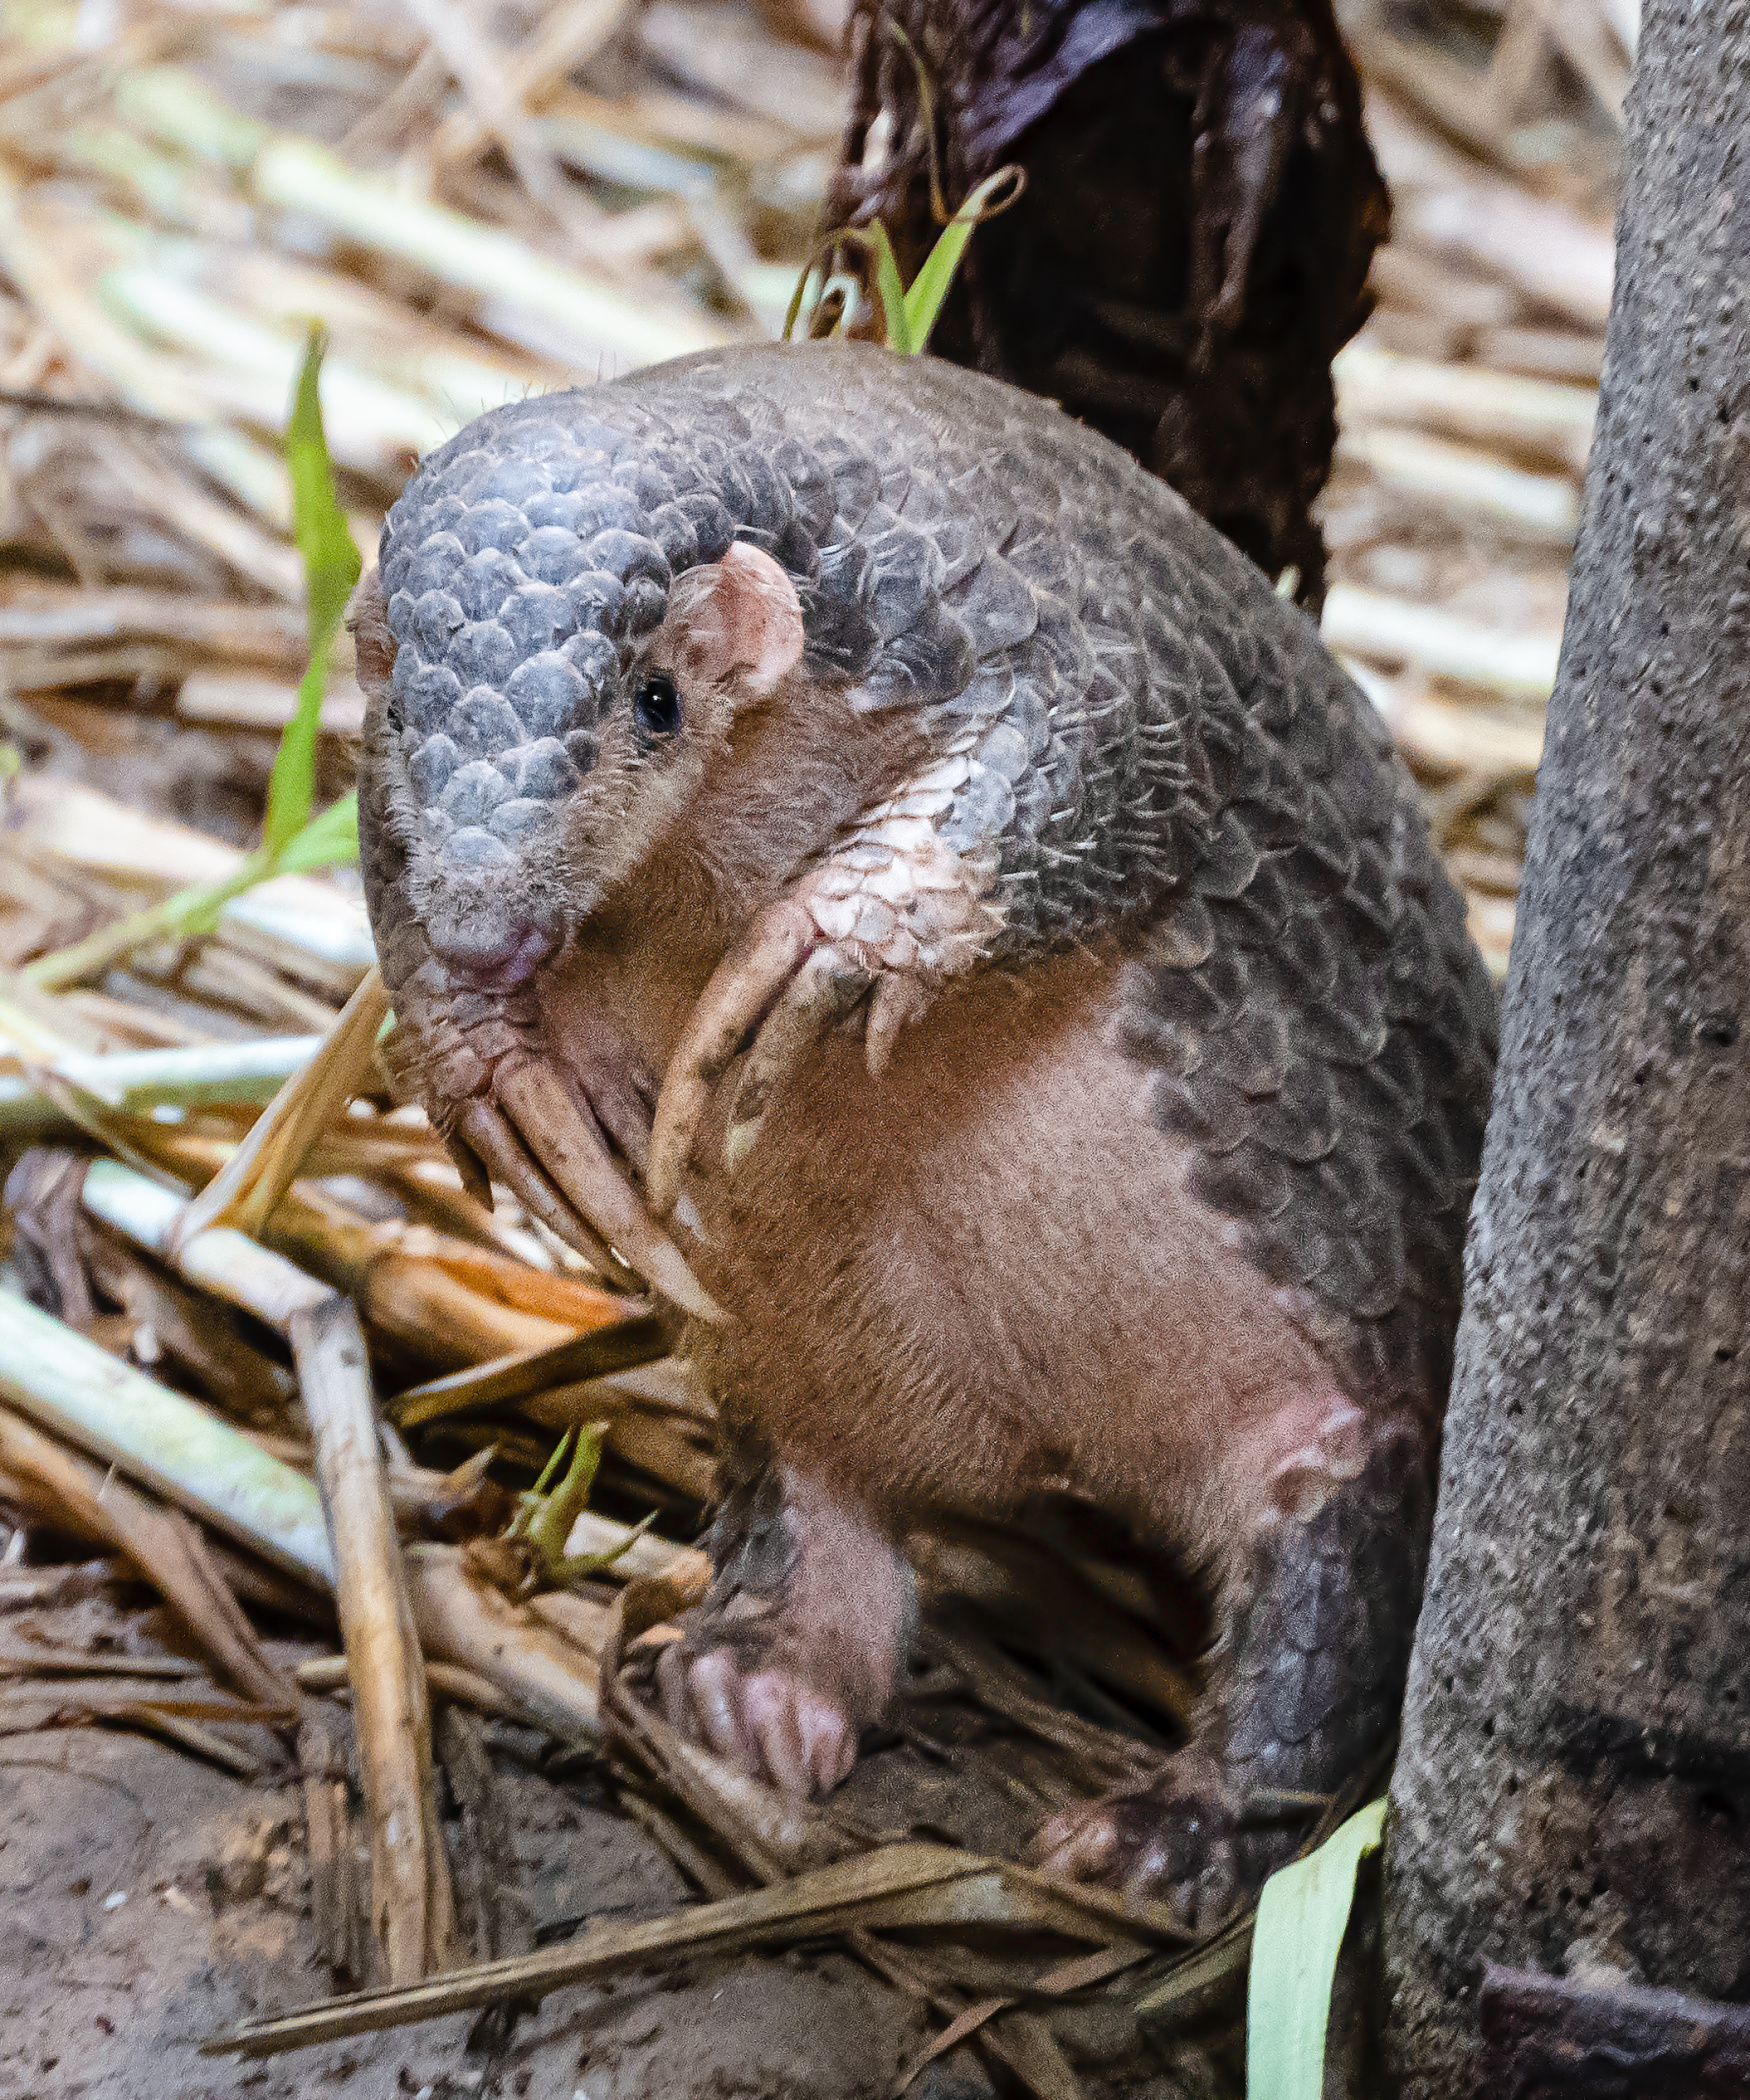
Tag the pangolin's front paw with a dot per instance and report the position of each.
(1171, 1839)
(760, 1713)
(864, 939)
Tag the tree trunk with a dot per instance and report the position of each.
(1574, 1784)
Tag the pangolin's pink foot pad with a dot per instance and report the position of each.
(1168, 1840)
(768, 1722)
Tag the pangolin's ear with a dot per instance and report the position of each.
(367, 615)
(734, 623)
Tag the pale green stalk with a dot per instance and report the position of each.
(138, 1081)
(1302, 1917)
(74, 1389)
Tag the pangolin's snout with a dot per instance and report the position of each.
(484, 942)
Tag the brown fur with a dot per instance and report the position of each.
(981, 1277)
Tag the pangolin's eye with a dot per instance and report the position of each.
(656, 706)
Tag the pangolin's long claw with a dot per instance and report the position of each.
(619, 1107)
(742, 986)
(567, 1144)
(476, 1182)
(816, 999)
(485, 1131)
(896, 999)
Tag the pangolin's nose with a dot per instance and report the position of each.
(485, 945)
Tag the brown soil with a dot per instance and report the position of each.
(149, 1900)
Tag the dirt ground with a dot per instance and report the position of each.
(149, 1900)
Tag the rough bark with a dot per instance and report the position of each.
(1574, 1784)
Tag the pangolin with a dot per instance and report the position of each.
(849, 845)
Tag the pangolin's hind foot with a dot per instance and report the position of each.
(1305, 1687)
(797, 1644)
(1169, 1839)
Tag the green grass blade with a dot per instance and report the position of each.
(291, 841)
(325, 841)
(931, 285)
(891, 291)
(331, 568)
(179, 918)
(1302, 1916)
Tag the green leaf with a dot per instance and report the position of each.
(1302, 1916)
(291, 840)
(548, 1516)
(331, 568)
(931, 285)
(325, 841)
(892, 292)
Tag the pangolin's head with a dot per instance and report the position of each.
(573, 599)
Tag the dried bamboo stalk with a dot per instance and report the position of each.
(1557, 259)
(1541, 508)
(167, 1550)
(478, 66)
(1443, 736)
(326, 1839)
(79, 1662)
(239, 700)
(56, 616)
(1467, 401)
(296, 921)
(247, 1190)
(896, 1887)
(639, 1338)
(243, 1379)
(1396, 630)
(328, 1673)
(404, 1279)
(486, 1852)
(145, 380)
(70, 1386)
(409, 1916)
(510, 278)
(462, 1619)
(229, 979)
(155, 1717)
(565, 42)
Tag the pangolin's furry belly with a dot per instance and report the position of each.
(984, 1276)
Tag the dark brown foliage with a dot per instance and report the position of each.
(1192, 249)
